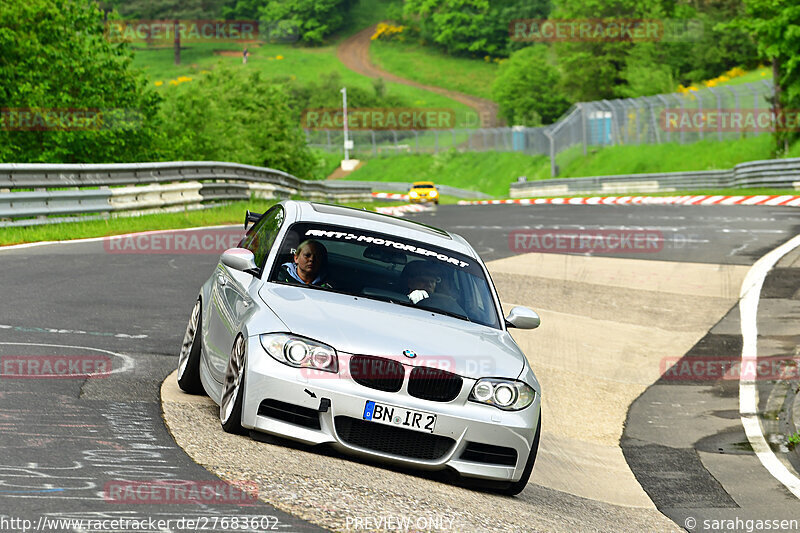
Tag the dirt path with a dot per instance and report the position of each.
(354, 53)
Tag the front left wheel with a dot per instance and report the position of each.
(189, 358)
(230, 407)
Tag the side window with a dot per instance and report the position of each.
(260, 238)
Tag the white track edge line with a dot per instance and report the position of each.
(748, 393)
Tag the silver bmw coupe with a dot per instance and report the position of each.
(377, 335)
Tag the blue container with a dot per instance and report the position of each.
(600, 127)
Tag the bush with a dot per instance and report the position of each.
(54, 56)
(315, 19)
(235, 115)
(527, 88)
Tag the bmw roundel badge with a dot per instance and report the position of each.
(410, 354)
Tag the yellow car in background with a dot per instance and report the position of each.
(423, 191)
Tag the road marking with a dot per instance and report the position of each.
(748, 393)
(32, 329)
(127, 361)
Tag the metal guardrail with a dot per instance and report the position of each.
(97, 188)
(776, 173)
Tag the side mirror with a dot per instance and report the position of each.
(239, 259)
(523, 318)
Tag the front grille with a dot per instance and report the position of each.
(487, 453)
(377, 372)
(434, 384)
(392, 440)
(294, 414)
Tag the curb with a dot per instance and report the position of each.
(771, 200)
(389, 196)
(400, 209)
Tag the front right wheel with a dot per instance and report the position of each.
(189, 358)
(230, 408)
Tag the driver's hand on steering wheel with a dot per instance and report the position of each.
(417, 295)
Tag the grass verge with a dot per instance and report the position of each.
(215, 216)
(279, 61)
(493, 172)
(432, 67)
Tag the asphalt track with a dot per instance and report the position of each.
(65, 439)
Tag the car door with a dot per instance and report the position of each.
(230, 300)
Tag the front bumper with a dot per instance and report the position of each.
(461, 428)
(423, 198)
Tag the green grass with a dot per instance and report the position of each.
(432, 67)
(304, 64)
(668, 157)
(493, 172)
(216, 216)
(488, 172)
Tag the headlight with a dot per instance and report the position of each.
(299, 352)
(506, 394)
(433, 193)
(413, 194)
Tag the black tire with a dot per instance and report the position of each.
(518, 486)
(189, 357)
(230, 405)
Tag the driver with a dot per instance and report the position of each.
(308, 265)
(421, 279)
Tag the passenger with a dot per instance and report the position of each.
(420, 278)
(308, 267)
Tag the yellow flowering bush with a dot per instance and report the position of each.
(387, 31)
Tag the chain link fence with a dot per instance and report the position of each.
(663, 118)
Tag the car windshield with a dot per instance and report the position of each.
(385, 267)
(424, 186)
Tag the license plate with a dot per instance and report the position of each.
(399, 417)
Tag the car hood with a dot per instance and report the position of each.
(358, 325)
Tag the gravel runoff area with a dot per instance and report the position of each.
(581, 481)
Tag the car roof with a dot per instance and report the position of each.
(371, 221)
(430, 183)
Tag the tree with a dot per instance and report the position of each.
(54, 57)
(472, 27)
(235, 115)
(527, 88)
(775, 26)
(174, 10)
(314, 19)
